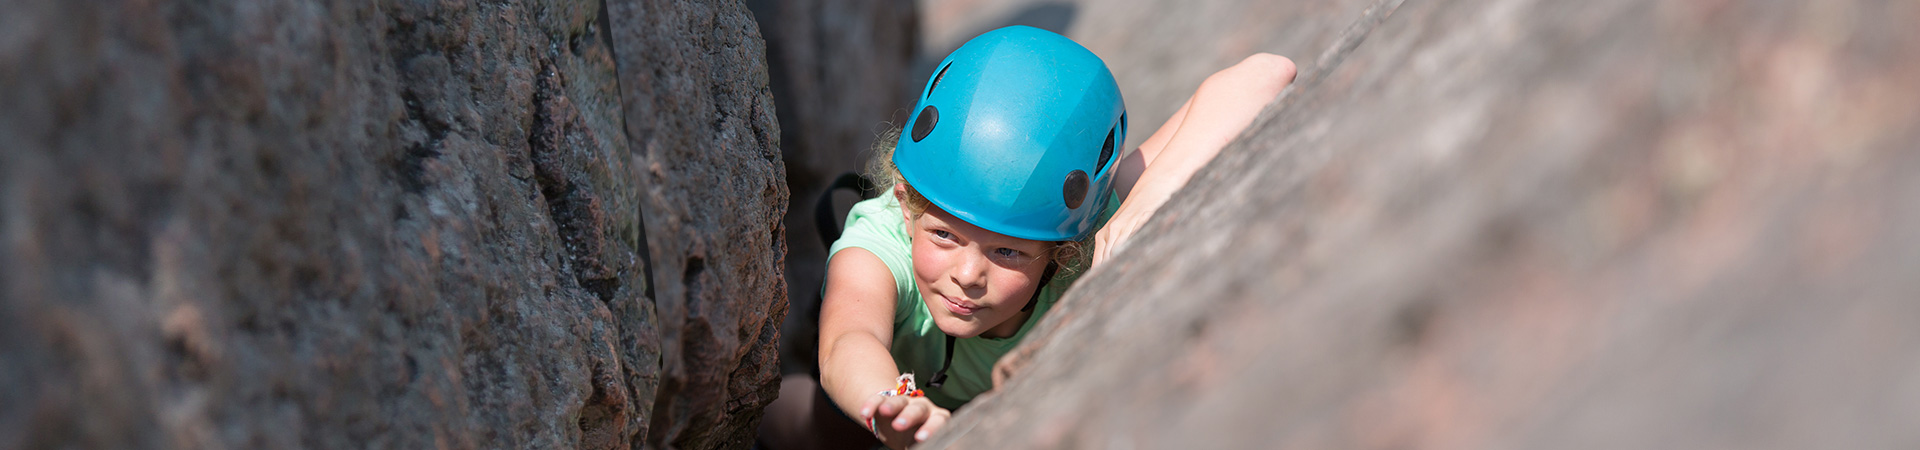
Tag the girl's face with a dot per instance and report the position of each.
(973, 281)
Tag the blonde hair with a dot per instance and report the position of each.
(1070, 256)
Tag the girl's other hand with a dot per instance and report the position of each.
(1133, 213)
(1224, 105)
(901, 421)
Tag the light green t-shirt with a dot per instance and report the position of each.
(918, 346)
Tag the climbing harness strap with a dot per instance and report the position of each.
(824, 220)
(940, 378)
(827, 225)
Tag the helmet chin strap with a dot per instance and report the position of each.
(940, 378)
(1045, 277)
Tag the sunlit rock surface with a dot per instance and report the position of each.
(1521, 224)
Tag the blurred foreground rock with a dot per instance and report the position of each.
(1522, 224)
(285, 224)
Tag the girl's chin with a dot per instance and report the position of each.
(956, 327)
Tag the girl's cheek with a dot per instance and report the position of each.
(927, 262)
(1016, 284)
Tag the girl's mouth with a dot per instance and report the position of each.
(958, 307)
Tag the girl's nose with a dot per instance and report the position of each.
(971, 272)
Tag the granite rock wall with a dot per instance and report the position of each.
(409, 224)
(1520, 224)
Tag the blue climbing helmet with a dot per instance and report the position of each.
(1018, 132)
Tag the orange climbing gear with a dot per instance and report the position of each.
(901, 386)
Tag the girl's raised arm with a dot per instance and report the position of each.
(1216, 113)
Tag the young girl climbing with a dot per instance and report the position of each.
(994, 199)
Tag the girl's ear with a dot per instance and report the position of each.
(900, 196)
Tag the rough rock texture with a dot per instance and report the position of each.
(274, 224)
(839, 78)
(701, 121)
(1523, 224)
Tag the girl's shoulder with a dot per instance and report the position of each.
(874, 208)
(877, 226)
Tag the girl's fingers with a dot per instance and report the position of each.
(1108, 238)
(1102, 245)
(933, 425)
(890, 406)
(870, 406)
(912, 416)
(1099, 249)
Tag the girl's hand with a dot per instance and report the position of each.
(1217, 113)
(1133, 213)
(901, 421)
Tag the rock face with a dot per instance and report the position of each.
(1521, 224)
(701, 121)
(417, 225)
(839, 75)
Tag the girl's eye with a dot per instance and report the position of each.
(1007, 253)
(942, 234)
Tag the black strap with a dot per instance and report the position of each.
(828, 225)
(824, 220)
(940, 377)
(1045, 277)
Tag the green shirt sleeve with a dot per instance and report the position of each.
(875, 225)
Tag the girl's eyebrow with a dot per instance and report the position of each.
(994, 239)
(938, 225)
(1013, 243)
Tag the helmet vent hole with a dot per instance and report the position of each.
(1075, 190)
(1106, 154)
(937, 77)
(922, 126)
